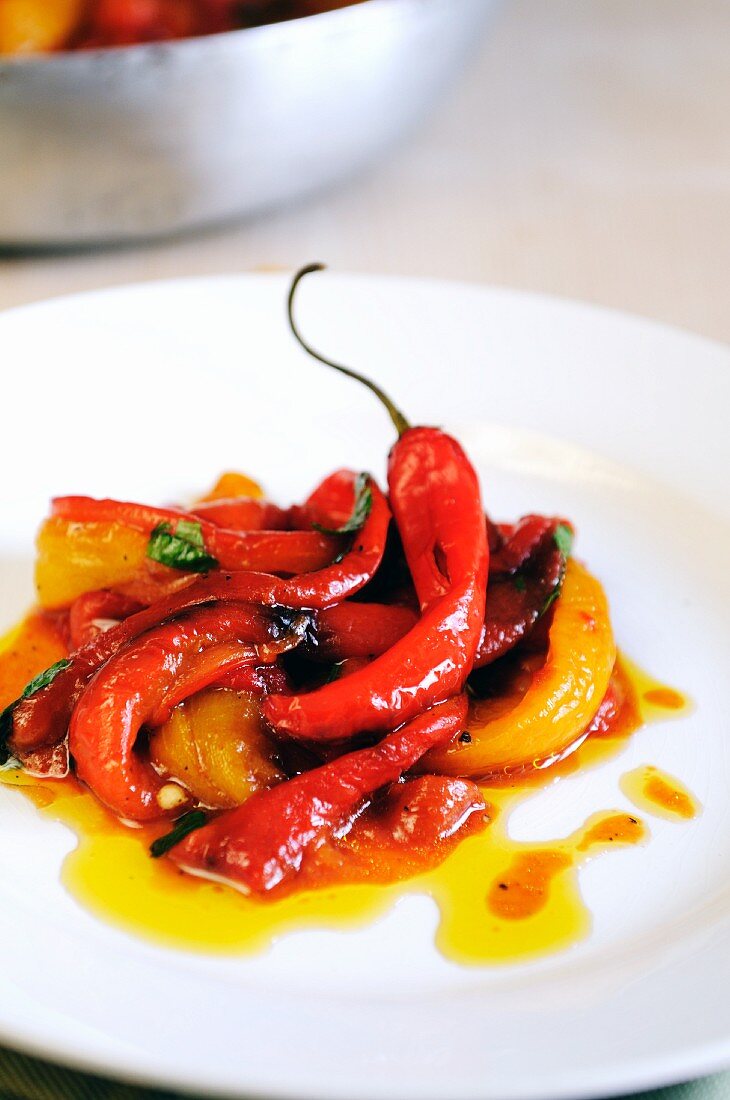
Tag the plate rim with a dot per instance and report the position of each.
(636, 1072)
(584, 305)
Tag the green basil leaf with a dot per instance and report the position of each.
(563, 539)
(182, 548)
(187, 824)
(360, 511)
(43, 679)
(551, 599)
(520, 583)
(191, 532)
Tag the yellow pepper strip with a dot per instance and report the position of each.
(74, 558)
(560, 702)
(215, 744)
(230, 486)
(36, 26)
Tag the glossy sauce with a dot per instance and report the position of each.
(659, 793)
(500, 900)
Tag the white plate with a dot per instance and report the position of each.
(150, 391)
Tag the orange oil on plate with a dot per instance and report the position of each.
(500, 900)
(656, 792)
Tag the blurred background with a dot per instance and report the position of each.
(575, 147)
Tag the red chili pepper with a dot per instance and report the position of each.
(514, 605)
(433, 660)
(264, 551)
(139, 687)
(434, 493)
(42, 720)
(89, 610)
(262, 844)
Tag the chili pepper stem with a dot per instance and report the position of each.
(400, 423)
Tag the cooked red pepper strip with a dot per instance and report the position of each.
(228, 660)
(367, 630)
(513, 611)
(513, 603)
(435, 497)
(267, 551)
(411, 827)
(242, 514)
(136, 686)
(522, 542)
(262, 844)
(329, 505)
(42, 720)
(258, 679)
(89, 609)
(209, 667)
(358, 630)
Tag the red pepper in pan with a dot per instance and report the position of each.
(42, 720)
(141, 685)
(267, 551)
(123, 23)
(262, 844)
(434, 493)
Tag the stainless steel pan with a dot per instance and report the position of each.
(127, 143)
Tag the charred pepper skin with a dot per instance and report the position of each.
(261, 845)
